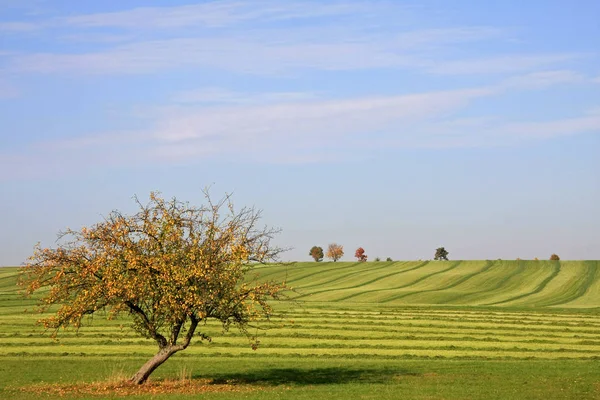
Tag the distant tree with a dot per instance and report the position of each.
(170, 267)
(388, 259)
(441, 254)
(335, 251)
(377, 259)
(360, 254)
(536, 259)
(316, 252)
(554, 257)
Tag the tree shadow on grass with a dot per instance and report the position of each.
(315, 376)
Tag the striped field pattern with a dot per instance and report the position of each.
(387, 310)
(564, 284)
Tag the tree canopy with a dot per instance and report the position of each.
(360, 254)
(170, 266)
(335, 251)
(441, 254)
(316, 252)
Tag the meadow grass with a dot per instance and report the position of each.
(381, 330)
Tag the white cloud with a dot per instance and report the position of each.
(310, 129)
(240, 55)
(445, 36)
(548, 129)
(494, 131)
(212, 14)
(222, 13)
(266, 52)
(239, 36)
(300, 131)
(542, 79)
(300, 123)
(91, 38)
(18, 27)
(113, 139)
(215, 95)
(501, 64)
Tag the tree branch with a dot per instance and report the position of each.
(189, 335)
(160, 339)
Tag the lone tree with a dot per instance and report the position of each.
(360, 254)
(170, 266)
(441, 254)
(316, 252)
(335, 251)
(554, 257)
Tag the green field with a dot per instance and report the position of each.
(565, 284)
(422, 330)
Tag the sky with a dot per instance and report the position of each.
(398, 126)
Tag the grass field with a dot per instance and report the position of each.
(565, 284)
(414, 330)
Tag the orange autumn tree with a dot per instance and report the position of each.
(335, 251)
(170, 266)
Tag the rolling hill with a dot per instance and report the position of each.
(515, 283)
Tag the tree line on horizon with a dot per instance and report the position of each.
(336, 251)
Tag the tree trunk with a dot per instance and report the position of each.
(163, 355)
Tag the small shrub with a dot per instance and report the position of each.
(377, 259)
(388, 259)
(554, 257)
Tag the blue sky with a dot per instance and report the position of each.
(395, 126)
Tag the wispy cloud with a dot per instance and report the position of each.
(222, 13)
(248, 37)
(542, 79)
(94, 38)
(501, 64)
(19, 27)
(212, 121)
(261, 53)
(418, 120)
(30, 7)
(589, 122)
(305, 128)
(299, 122)
(298, 131)
(212, 14)
(239, 55)
(215, 95)
(495, 131)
